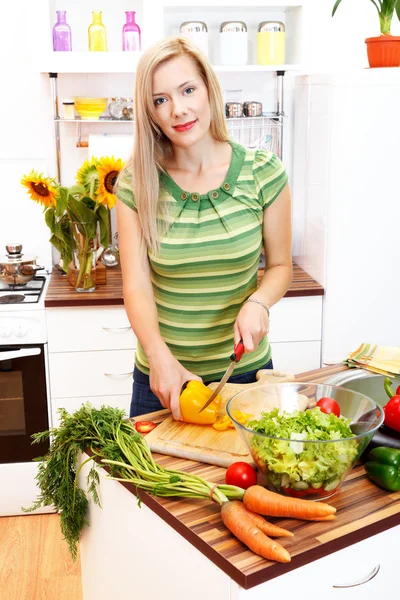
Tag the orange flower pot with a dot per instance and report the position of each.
(383, 51)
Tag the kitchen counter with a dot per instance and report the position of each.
(60, 293)
(363, 510)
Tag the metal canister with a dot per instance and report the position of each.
(233, 110)
(233, 43)
(271, 43)
(252, 109)
(196, 32)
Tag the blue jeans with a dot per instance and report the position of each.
(144, 401)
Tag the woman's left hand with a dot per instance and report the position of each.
(251, 325)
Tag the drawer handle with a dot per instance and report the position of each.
(118, 374)
(117, 328)
(370, 576)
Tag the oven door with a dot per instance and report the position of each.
(23, 402)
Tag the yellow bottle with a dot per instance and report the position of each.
(271, 43)
(97, 34)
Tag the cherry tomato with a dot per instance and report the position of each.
(329, 405)
(144, 426)
(241, 474)
(398, 391)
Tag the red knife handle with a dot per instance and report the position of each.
(237, 351)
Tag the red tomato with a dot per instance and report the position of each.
(144, 426)
(241, 474)
(398, 391)
(328, 406)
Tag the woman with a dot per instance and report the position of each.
(194, 210)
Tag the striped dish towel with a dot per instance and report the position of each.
(378, 359)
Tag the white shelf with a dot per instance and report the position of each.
(88, 62)
(126, 62)
(171, 4)
(255, 68)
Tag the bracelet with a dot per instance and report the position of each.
(258, 302)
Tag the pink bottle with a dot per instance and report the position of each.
(130, 34)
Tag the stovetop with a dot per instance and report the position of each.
(21, 296)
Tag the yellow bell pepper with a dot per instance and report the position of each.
(193, 397)
(224, 423)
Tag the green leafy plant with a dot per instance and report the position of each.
(385, 8)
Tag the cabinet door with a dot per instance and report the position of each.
(296, 357)
(352, 566)
(78, 374)
(296, 320)
(73, 404)
(89, 328)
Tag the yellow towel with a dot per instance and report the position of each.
(378, 359)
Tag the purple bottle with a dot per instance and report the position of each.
(62, 34)
(130, 34)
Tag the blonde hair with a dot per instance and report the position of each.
(151, 146)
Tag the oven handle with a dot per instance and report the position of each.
(19, 353)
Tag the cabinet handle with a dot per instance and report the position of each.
(117, 328)
(370, 576)
(118, 374)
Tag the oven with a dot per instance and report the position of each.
(23, 402)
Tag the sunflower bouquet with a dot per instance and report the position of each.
(75, 214)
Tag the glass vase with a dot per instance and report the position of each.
(62, 41)
(84, 248)
(131, 34)
(97, 33)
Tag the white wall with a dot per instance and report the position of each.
(26, 130)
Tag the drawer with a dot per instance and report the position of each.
(296, 320)
(296, 357)
(81, 374)
(89, 328)
(73, 404)
(349, 566)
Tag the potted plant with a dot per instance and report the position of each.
(384, 50)
(75, 214)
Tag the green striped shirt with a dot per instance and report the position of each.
(208, 262)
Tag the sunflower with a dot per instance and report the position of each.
(88, 177)
(41, 189)
(108, 170)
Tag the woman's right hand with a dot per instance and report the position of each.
(167, 377)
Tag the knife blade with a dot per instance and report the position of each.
(234, 358)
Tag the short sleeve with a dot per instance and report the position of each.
(125, 190)
(270, 176)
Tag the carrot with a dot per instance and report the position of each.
(237, 520)
(262, 501)
(266, 527)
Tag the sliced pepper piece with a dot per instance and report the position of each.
(383, 467)
(144, 426)
(191, 400)
(224, 423)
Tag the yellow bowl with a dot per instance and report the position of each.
(90, 108)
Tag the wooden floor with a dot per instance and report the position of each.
(35, 563)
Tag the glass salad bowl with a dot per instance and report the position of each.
(302, 451)
(90, 108)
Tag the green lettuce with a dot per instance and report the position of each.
(292, 462)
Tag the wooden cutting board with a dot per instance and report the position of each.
(204, 443)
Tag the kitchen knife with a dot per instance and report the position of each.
(234, 358)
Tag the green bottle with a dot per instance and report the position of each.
(97, 34)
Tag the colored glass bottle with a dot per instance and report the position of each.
(97, 33)
(62, 41)
(131, 34)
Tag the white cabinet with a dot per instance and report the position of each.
(295, 334)
(352, 566)
(91, 357)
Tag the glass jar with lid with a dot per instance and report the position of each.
(233, 43)
(271, 43)
(127, 111)
(116, 108)
(196, 32)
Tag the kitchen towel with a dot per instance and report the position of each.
(384, 360)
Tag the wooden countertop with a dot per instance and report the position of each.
(61, 293)
(363, 510)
